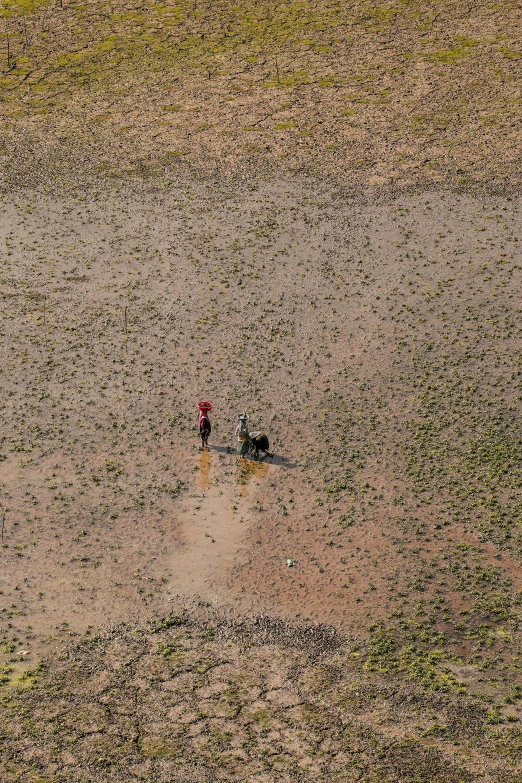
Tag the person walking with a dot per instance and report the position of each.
(205, 427)
(242, 435)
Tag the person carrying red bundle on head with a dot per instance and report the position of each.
(205, 427)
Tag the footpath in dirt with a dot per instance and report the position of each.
(377, 345)
(214, 526)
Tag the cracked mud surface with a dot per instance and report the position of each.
(310, 211)
(378, 347)
(195, 699)
(411, 94)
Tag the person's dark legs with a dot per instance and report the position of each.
(204, 433)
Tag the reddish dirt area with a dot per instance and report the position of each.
(320, 316)
(309, 211)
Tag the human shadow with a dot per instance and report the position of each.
(283, 462)
(221, 449)
(273, 459)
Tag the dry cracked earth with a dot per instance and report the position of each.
(378, 346)
(350, 608)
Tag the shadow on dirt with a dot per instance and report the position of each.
(283, 462)
(274, 459)
(220, 449)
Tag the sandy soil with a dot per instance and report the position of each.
(111, 509)
(306, 210)
(411, 94)
(212, 538)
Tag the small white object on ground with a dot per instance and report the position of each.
(290, 563)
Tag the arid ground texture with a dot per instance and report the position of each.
(310, 211)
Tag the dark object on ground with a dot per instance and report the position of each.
(205, 428)
(259, 442)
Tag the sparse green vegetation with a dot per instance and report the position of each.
(311, 211)
(397, 505)
(426, 81)
(259, 707)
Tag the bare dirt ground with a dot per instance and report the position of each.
(311, 211)
(402, 94)
(215, 535)
(379, 347)
(195, 697)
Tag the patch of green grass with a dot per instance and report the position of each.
(416, 653)
(5, 672)
(13, 8)
(449, 55)
(285, 126)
